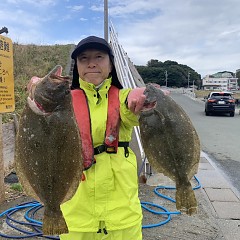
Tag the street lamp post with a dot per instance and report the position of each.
(188, 79)
(166, 76)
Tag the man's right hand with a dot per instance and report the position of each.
(136, 100)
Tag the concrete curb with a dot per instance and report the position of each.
(223, 197)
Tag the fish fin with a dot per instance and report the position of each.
(54, 224)
(25, 183)
(185, 198)
(57, 70)
(73, 188)
(194, 169)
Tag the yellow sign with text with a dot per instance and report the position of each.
(7, 102)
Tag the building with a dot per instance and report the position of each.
(220, 81)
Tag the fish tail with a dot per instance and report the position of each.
(54, 224)
(185, 198)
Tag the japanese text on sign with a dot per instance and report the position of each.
(4, 45)
(7, 103)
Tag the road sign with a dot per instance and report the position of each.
(7, 103)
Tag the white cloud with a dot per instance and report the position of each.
(33, 2)
(83, 19)
(97, 8)
(121, 8)
(76, 8)
(202, 34)
(21, 18)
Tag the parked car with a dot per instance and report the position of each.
(220, 102)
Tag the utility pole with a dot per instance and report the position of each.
(166, 76)
(193, 86)
(106, 20)
(188, 79)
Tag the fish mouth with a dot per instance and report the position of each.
(58, 79)
(55, 72)
(147, 106)
(55, 87)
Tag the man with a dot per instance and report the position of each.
(106, 204)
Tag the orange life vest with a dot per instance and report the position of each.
(81, 111)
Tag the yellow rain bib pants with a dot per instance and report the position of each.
(106, 204)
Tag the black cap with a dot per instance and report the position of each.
(93, 42)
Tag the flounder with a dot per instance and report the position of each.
(171, 144)
(48, 154)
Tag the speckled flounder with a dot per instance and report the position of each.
(48, 148)
(171, 144)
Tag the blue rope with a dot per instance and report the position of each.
(166, 212)
(31, 222)
(36, 226)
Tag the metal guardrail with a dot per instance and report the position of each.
(129, 78)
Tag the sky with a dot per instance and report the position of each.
(203, 34)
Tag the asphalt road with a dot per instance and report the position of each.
(219, 136)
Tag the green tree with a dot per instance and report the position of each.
(177, 74)
(154, 63)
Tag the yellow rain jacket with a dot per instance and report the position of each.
(109, 195)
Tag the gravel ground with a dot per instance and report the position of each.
(200, 226)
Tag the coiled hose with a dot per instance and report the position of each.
(31, 209)
(20, 226)
(145, 205)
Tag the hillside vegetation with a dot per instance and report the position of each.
(33, 60)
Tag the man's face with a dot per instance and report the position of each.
(94, 66)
